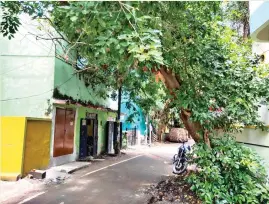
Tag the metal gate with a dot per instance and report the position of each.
(88, 138)
(131, 136)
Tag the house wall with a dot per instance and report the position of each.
(37, 144)
(261, 48)
(102, 119)
(103, 116)
(70, 85)
(259, 20)
(12, 144)
(24, 144)
(30, 72)
(139, 120)
(257, 140)
(26, 74)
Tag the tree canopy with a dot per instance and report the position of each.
(183, 53)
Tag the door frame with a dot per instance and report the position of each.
(95, 138)
(54, 161)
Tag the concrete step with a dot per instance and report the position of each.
(71, 167)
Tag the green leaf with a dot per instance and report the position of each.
(73, 18)
(85, 11)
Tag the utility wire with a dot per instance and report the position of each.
(57, 52)
(4, 73)
(15, 68)
(42, 41)
(46, 48)
(35, 95)
(11, 99)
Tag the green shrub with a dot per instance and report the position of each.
(228, 173)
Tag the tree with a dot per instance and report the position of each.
(237, 13)
(209, 74)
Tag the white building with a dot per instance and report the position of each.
(259, 31)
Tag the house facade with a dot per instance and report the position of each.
(49, 114)
(137, 125)
(259, 31)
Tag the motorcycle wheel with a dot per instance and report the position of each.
(179, 167)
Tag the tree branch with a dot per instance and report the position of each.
(42, 38)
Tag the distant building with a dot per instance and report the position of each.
(138, 119)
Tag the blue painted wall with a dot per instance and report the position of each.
(139, 121)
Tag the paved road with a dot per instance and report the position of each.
(111, 182)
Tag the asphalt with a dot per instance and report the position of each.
(116, 181)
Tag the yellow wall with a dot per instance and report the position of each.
(12, 144)
(37, 145)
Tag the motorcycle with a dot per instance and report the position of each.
(180, 161)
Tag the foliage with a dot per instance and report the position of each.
(229, 173)
(121, 42)
(10, 21)
(216, 68)
(127, 43)
(237, 12)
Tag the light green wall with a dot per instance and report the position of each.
(255, 137)
(103, 116)
(26, 70)
(102, 119)
(72, 86)
(34, 79)
(262, 151)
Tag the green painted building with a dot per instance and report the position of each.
(36, 81)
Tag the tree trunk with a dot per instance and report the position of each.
(206, 139)
(190, 127)
(161, 130)
(163, 121)
(246, 27)
(118, 145)
(172, 83)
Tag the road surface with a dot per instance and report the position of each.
(118, 181)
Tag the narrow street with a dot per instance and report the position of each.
(110, 182)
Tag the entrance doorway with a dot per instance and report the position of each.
(88, 138)
(64, 132)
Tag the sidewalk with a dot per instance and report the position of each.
(11, 191)
(54, 175)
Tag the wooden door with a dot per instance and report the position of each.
(64, 132)
(58, 149)
(69, 131)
